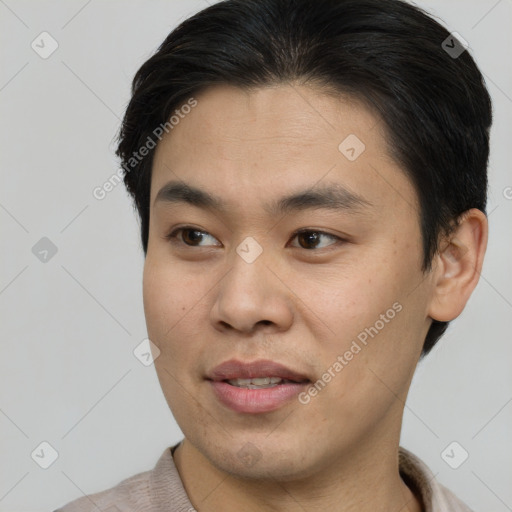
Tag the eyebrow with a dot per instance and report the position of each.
(330, 197)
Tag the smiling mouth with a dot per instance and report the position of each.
(256, 395)
(260, 382)
(255, 387)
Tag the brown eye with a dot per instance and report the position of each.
(309, 239)
(189, 236)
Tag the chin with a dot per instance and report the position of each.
(259, 460)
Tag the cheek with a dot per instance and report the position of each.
(351, 297)
(160, 304)
(175, 307)
(167, 300)
(167, 305)
(369, 309)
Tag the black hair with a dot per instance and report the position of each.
(402, 63)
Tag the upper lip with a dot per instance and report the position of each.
(234, 369)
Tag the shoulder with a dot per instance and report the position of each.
(120, 498)
(144, 492)
(445, 500)
(435, 496)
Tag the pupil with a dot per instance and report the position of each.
(196, 238)
(311, 237)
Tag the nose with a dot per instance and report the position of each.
(251, 296)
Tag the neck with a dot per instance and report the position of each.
(368, 483)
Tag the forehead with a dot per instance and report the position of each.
(274, 114)
(253, 143)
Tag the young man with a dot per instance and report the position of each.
(311, 181)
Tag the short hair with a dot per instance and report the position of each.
(389, 54)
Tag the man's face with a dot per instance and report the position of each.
(348, 291)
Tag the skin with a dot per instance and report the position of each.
(299, 303)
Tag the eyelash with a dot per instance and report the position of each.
(173, 237)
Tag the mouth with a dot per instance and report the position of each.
(259, 373)
(260, 382)
(257, 387)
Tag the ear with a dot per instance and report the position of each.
(458, 265)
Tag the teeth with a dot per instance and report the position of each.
(257, 382)
(261, 381)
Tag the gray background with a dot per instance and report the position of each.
(68, 375)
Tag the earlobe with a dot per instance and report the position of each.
(458, 265)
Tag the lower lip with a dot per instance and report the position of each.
(255, 400)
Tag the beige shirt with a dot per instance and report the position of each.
(161, 490)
